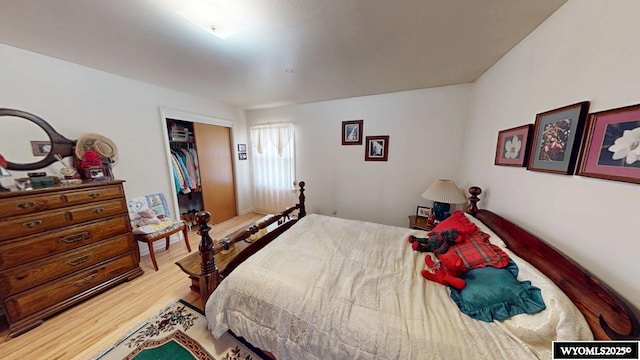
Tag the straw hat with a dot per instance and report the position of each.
(98, 143)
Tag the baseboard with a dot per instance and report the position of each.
(246, 211)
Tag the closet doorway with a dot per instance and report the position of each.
(216, 170)
(209, 143)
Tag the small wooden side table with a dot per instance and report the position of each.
(420, 223)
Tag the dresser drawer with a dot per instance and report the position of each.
(30, 204)
(33, 247)
(90, 195)
(51, 294)
(48, 220)
(97, 210)
(23, 277)
(23, 205)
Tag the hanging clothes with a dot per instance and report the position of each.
(185, 181)
(191, 168)
(194, 155)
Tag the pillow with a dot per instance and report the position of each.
(496, 294)
(493, 238)
(477, 252)
(457, 221)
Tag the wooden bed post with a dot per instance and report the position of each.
(302, 210)
(473, 200)
(210, 277)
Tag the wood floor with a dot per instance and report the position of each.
(87, 328)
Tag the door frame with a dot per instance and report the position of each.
(168, 113)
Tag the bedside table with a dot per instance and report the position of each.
(419, 223)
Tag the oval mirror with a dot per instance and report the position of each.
(34, 141)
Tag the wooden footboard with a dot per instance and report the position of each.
(210, 276)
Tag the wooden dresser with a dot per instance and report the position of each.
(61, 245)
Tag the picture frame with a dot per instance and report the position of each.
(242, 156)
(423, 212)
(556, 139)
(40, 148)
(352, 132)
(610, 140)
(242, 147)
(377, 148)
(512, 148)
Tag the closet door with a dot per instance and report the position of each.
(216, 170)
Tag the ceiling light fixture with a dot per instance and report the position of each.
(214, 16)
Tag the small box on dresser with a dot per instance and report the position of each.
(61, 245)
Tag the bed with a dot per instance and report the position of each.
(328, 288)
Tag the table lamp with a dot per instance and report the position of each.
(443, 193)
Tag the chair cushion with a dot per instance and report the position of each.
(153, 230)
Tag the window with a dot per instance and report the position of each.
(273, 166)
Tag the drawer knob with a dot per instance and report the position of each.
(79, 260)
(86, 280)
(94, 195)
(75, 237)
(26, 205)
(98, 210)
(32, 224)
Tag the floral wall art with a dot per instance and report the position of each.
(612, 145)
(556, 139)
(513, 146)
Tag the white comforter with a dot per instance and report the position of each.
(330, 288)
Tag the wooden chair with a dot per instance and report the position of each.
(151, 233)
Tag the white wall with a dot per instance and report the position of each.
(587, 50)
(425, 129)
(76, 100)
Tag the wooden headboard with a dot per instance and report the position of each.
(608, 315)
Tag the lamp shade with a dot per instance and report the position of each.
(444, 191)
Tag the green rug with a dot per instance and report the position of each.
(176, 333)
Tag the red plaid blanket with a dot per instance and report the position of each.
(477, 252)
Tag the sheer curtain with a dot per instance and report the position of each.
(273, 165)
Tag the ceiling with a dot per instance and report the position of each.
(290, 51)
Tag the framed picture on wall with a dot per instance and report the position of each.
(242, 147)
(556, 139)
(512, 148)
(352, 132)
(377, 148)
(611, 148)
